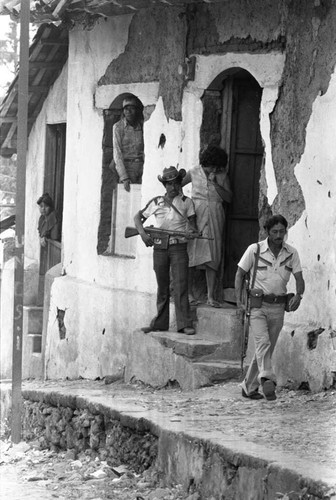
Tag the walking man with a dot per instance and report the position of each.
(174, 212)
(275, 263)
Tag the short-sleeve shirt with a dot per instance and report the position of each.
(273, 273)
(128, 144)
(165, 215)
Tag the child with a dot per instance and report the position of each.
(47, 225)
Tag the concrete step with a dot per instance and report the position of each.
(157, 360)
(223, 324)
(33, 319)
(192, 346)
(213, 354)
(199, 346)
(219, 371)
(32, 366)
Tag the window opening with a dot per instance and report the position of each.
(119, 205)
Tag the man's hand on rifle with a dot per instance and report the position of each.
(191, 234)
(147, 239)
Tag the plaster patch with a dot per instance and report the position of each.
(148, 93)
(315, 232)
(267, 69)
(268, 100)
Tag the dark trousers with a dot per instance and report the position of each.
(175, 258)
(134, 169)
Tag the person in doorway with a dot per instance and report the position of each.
(174, 212)
(128, 144)
(48, 227)
(275, 262)
(210, 190)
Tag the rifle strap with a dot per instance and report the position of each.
(255, 265)
(177, 210)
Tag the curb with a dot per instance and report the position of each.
(215, 465)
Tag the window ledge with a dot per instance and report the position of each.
(116, 255)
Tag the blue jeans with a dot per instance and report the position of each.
(174, 259)
(265, 325)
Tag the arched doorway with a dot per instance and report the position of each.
(231, 111)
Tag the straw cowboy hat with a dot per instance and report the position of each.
(171, 174)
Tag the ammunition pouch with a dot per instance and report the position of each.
(161, 242)
(256, 298)
(289, 296)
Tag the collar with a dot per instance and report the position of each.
(264, 246)
(182, 196)
(126, 124)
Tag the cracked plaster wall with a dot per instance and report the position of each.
(213, 33)
(304, 31)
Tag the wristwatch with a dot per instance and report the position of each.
(300, 295)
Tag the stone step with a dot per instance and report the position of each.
(223, 324)
(199, 346)
(219, 371)
(191, 346)
(33, 319)
(213, 354)
(153, 360)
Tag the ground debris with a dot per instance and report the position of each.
(56, 475)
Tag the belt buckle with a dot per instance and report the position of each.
(173, 241)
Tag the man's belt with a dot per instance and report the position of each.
(275, 299)
(176, 241)
(138, 159)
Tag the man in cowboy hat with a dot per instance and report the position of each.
(174, 212)
(128, 145)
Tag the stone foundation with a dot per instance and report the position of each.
(80, 430)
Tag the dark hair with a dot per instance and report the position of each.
(213, 155)
(47, 200)
(275, 219)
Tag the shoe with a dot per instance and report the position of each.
(147, 329)
(252, 395)
(268, 387)
(213, 303)
(187, 330)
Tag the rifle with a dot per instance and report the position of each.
(156, 232)
(245, 298)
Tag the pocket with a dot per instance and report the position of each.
(256, 297)
(161, 243)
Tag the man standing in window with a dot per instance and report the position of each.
(128, 145)
(274, 261)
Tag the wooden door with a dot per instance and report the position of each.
(245, 159)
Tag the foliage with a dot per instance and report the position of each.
(9, 49)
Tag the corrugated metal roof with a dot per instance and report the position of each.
(47, 56)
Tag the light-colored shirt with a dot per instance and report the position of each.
(165, 215)
(128, 144)
(273, 273)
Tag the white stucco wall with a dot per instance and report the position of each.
(114, 276)
(314, 236)
(115, 295)
(52, 112)
(315, 233)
